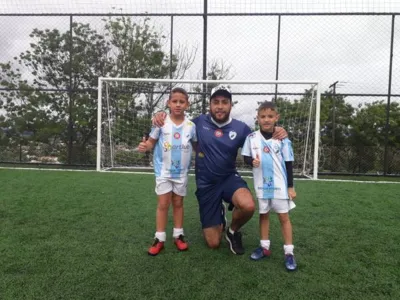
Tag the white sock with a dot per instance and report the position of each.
(161, 236)
(265, 244)
(177, 232)
(288, 249)
(230, 230)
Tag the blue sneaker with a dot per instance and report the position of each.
(260, 253)
(290, 262)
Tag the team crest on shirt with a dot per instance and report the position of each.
(276, 148)
(232, 135)
(218, 133)
(266, 149)
(176, 163)
(177, 135)
(267, 180)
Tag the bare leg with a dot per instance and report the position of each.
(162, 211)
(264, 226)
(244, 208)
(286, 227)
(177, 206)
(212, 236)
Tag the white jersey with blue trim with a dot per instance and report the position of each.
(173, 150)
(270, 178)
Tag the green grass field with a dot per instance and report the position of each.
(84, 235)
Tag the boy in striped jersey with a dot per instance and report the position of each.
(172, 156)
(271, 160)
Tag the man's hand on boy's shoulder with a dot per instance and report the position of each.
(158, 118)
(279, 133)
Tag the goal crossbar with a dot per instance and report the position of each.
(310, 82)
(314, 83)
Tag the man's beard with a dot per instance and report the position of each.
(220, 121)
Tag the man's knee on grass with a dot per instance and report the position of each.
(212, 236)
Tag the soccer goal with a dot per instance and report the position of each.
(126, 106)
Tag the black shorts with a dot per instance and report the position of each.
(210, 199)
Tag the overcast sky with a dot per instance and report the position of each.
(354, 50)
(196, 6)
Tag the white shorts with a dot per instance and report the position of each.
(176, 185)
(279, 206)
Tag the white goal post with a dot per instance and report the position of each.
(125, 107)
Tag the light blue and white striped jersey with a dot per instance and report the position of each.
(270, 178)
(173, 150)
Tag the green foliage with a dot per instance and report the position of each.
(133, 158)
(217, 70)
(128, 48)
(368, 131)
(352, 138)
(369, 124)
(64, 119)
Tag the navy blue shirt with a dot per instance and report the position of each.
(217, 149)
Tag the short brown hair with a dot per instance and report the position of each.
(267, 105)
(179, 90)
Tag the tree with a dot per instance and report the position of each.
(69, 67)
(138, 51)
(217, 70)
(336, 118)
(368, 131)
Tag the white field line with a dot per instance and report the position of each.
(150, 173)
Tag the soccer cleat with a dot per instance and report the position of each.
(156, 247)
(260, 253)
(235, 242)
(290, 262)
(180, 243)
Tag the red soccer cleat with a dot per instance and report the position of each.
(180, 243)
(156, 247)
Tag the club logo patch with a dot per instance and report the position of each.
(268, 180)
(176, 163)
(218, 133)
(232, 135)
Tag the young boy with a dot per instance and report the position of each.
(172, 156)
(271, 160)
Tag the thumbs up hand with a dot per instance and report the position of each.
(256, 161)
(143, 145)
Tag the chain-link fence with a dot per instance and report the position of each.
(50, 62)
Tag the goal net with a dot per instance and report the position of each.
(126, 105)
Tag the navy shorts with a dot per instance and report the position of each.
(211, 197)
